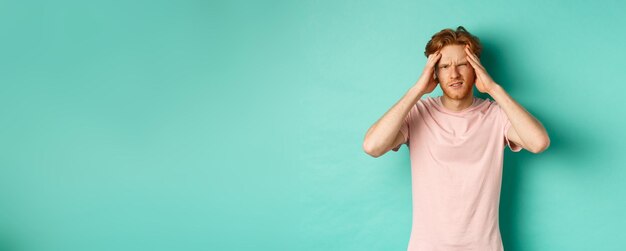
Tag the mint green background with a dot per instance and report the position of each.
(234, 125)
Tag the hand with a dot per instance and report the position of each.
(484, 82)
(427, 82)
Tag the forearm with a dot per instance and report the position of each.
(380, 136)
(530, 131)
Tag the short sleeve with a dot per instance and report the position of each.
(507, 125)
(404, 129)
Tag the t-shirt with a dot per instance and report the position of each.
(456, 174)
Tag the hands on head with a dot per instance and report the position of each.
(484, 82)
(428, 81)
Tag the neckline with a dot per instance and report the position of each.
(441, 107)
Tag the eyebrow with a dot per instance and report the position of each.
(446, 64)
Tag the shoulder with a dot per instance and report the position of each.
(487, 104)
(488, 108)
(428, 101)
(492, 109)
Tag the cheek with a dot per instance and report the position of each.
(468, 73)
(442, 73)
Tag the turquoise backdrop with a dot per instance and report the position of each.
(238, 125)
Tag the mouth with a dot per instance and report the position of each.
(456, 84)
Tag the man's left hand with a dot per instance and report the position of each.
(484, 82)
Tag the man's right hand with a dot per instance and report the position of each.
(427, 82)
(385, 134)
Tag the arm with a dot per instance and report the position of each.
(385, 134)
(525, 129)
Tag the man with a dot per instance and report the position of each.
(456, 144)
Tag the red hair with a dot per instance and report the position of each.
(451, 37)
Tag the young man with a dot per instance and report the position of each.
(456, 144)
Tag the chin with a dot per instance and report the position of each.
(457, 95)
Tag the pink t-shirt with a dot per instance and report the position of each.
(456, 170)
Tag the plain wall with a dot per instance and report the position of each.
(238, 125)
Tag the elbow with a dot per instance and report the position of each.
(370, 150)
(541, 146)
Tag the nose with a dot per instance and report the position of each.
(454, 73)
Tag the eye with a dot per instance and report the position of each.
(444, 66)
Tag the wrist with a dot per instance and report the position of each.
(495, 89)
(417, 90)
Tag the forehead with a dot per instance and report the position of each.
(452, 53)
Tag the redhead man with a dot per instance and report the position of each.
(456, 144)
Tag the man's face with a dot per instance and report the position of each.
(455, 74)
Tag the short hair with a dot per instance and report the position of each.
(451, 37)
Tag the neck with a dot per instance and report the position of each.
(457, 104)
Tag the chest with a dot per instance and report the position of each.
(455, 138)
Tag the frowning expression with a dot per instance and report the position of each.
(455, 74)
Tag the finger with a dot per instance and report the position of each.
(471, 60)
(432, 60)
(471, 54)
(434, 55)
(437, 57)
(468, 51)
(474, 62)
(477, 66)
